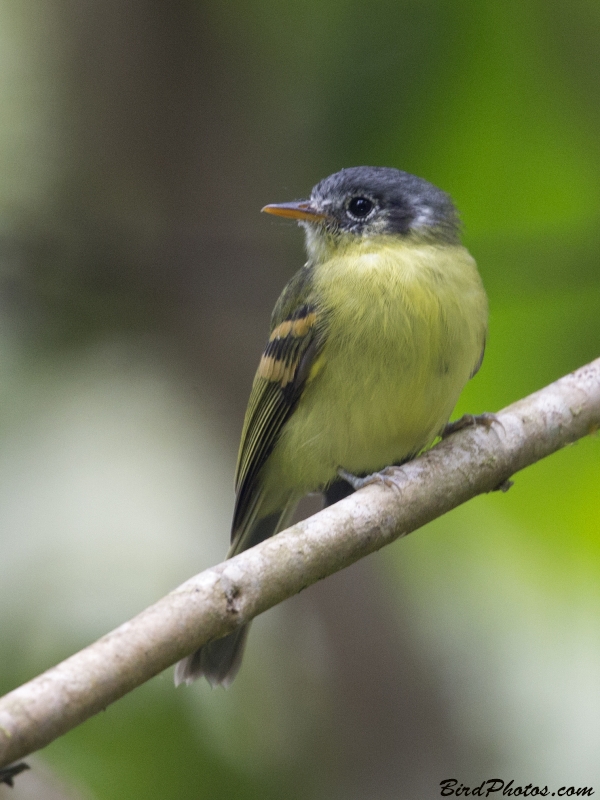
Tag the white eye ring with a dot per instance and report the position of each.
(360, 207)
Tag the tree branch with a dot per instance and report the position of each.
(214, 602)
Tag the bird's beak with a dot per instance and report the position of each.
(301, 209)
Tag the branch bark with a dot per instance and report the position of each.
(213, 603)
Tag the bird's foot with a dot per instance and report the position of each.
(384, 477)
(470, 421)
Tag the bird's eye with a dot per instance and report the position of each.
(360, 207)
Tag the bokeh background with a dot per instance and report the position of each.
(138, 142)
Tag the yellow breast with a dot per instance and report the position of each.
(406, 327)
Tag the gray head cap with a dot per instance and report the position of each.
(396, 202)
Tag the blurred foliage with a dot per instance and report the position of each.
(138, 142)
(164, 758)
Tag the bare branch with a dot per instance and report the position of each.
(214, 602)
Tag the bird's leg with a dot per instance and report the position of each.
(385, 477)
(469, 421)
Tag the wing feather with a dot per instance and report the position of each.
(278, 384)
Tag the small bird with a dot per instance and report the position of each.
(371, 343)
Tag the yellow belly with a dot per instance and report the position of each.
(407, 326)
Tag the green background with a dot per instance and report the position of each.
(138, 142)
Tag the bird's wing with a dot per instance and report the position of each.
(295, 340)
(477, 366)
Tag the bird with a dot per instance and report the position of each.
(371, 343)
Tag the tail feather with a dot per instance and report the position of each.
(219, 661)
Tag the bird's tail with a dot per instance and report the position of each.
(219, 661)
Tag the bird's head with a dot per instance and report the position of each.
(366, 202)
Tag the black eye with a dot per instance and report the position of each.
(360, 207)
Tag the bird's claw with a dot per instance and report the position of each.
(470, 421)
(384, 476)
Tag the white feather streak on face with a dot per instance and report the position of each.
(423, 218)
